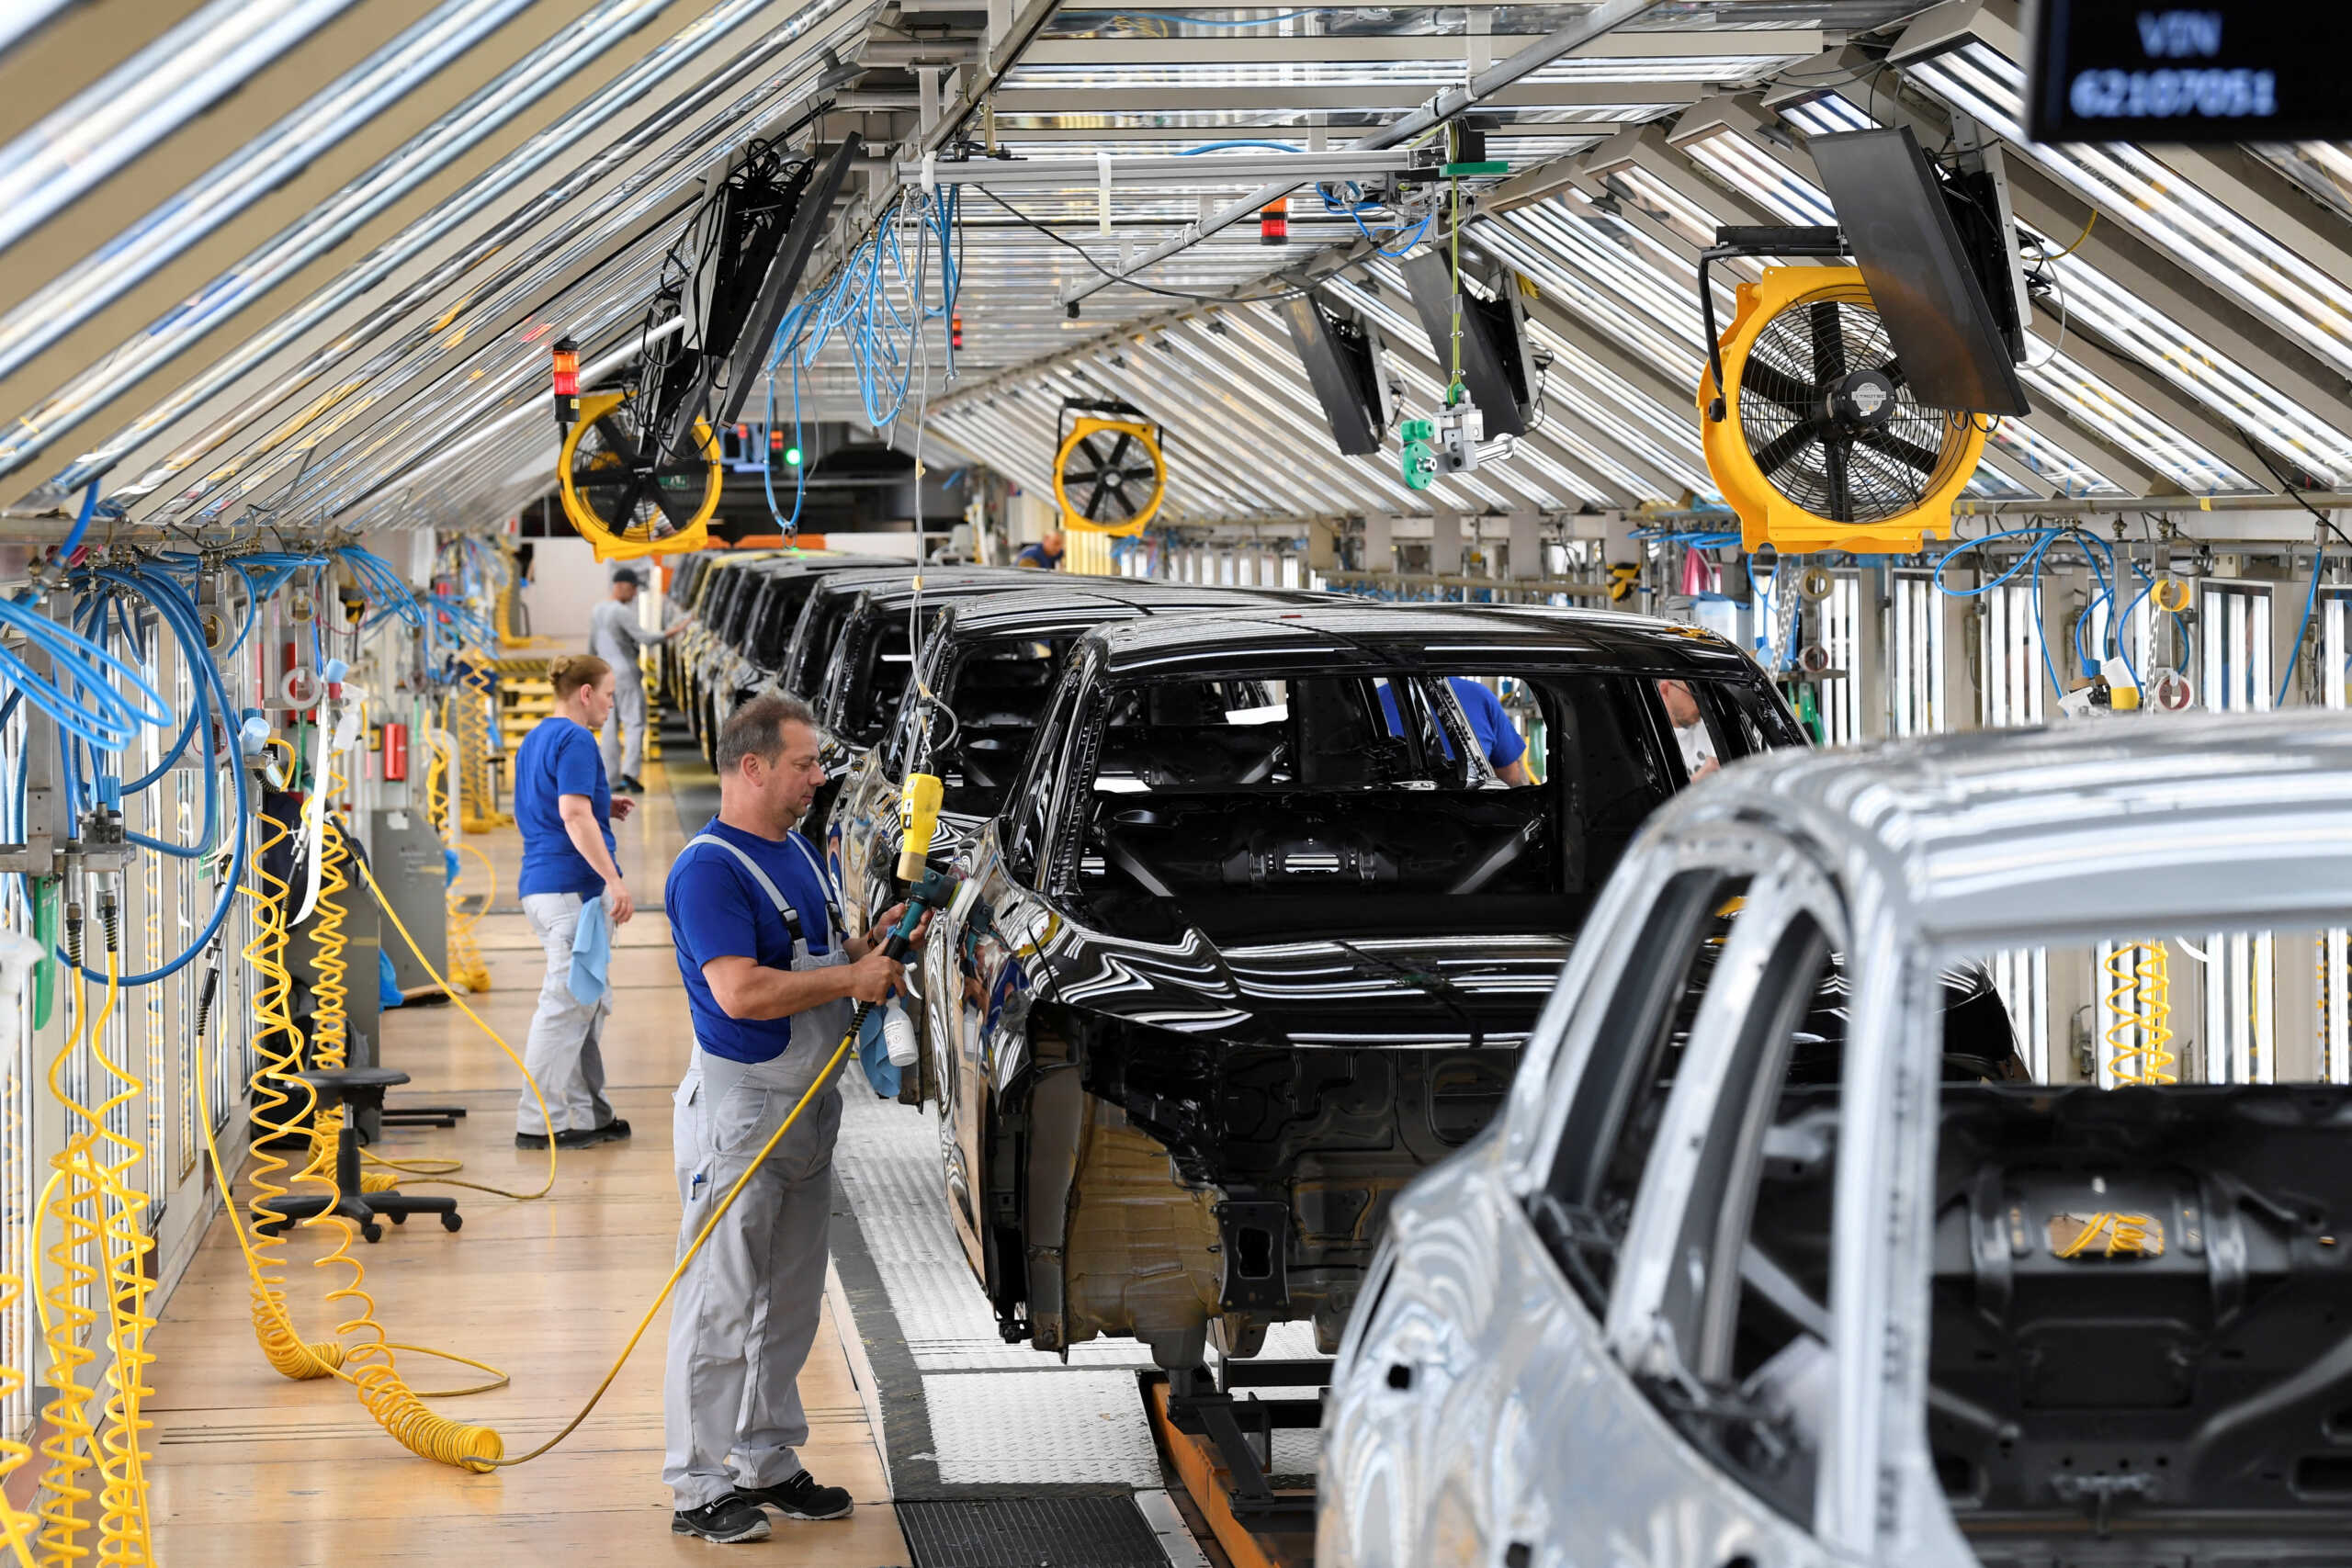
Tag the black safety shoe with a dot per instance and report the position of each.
(628, 785)
(800, 1498)
(579, 1138)
(727, 1520)
(611, 1132)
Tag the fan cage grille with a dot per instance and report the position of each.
(1779, 398)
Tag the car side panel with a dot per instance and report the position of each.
(1478, 1411)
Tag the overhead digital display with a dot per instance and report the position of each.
(2231, 71)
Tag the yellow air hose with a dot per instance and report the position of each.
(368, 1365)
(119, 1228)
(466, 968)
(122, 1518)
(278, 1045)
(474, 791)
(67, 1320)
(394, 1404)
(2138, 1006)
(16, 1526)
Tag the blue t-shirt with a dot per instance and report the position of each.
(716, 910)
(1034, 555)
(558, 758)
(1498, 737)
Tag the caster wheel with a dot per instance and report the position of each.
(453, 1222)
(372, 1231)
(398, 1218)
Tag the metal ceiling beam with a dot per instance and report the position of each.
(1588, 29)
(440, 276)
(1111, 53)
(1158, 170)
(1046, 98)
(43, 71)
(260, 280)
(2270, 201)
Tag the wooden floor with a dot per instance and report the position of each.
(251, 1468)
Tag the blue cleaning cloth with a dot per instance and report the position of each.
(387, 988)
(873, 1057)
(591, 954)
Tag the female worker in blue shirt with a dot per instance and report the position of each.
(564, 805)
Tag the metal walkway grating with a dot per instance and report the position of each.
(1030, 1532)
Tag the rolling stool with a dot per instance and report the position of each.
(359, 1089)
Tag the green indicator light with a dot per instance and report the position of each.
(792, 456)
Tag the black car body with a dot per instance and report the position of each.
(864, 622)
(752, 610)
(1241, 954)
(989, 663)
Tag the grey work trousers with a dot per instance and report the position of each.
(746, 1310)
(562, 1053)
(622, 739)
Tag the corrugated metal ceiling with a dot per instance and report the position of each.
(305, 256)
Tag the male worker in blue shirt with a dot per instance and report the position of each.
(1044, 554)
(1499, 738)
(771, 983)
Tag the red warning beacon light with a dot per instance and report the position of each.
(956, 331)
(1273, 222)
(567, 382)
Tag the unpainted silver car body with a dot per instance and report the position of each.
(1491, 1407)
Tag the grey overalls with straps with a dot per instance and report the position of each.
(746, 1312)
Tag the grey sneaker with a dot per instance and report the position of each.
(729, 1520)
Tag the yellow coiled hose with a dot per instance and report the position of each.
(96, 1205)
(2138, 1006)
(368, 1365)
(331, 1011)
(474, 790)
(467, 969)
(67, 1322)
(16, 1526)
(278, 1042)
(824, 1078)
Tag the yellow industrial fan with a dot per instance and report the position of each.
(622, 496)
(1109, 475)
(1820, 444)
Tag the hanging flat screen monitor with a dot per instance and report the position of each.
(2222, 71)
(1495, 369)
(1946, 336)
(1342, 356)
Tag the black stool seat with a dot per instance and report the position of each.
(361, 1087)
(356, 1085)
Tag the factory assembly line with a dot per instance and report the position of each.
(1412, 786)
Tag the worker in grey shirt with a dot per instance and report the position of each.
(614, 636)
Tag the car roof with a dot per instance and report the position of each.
(1465, 637)
(1090, 601)
(2021, 838)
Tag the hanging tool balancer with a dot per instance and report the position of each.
(1449, 443)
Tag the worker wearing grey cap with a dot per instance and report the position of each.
(614, 636)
